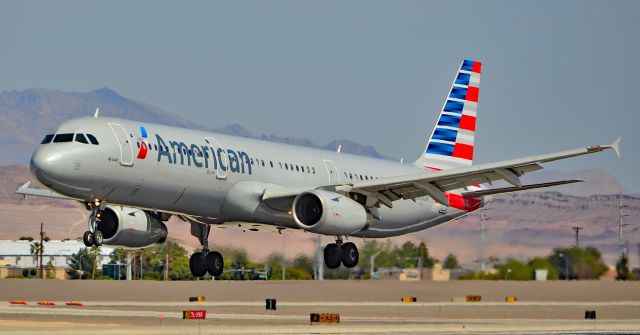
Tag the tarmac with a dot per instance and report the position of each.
(366, 307)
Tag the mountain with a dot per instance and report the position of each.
(596, 182)
(25, 116)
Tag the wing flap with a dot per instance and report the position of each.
(516, 189)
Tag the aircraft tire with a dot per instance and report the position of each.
(98, 238)
(197, 264)
(332, 256)
(349, 254)
(215, 263)
(87, 239)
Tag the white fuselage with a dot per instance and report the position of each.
(199, 174)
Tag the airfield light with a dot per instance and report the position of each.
(96, 202)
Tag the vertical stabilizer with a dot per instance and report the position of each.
(452, 140)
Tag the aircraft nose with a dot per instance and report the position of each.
(44, 164)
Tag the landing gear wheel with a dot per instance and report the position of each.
(197, 264)
(87, 239)
(215, 263)
(332, 256)
(349, 254)
(97, 238)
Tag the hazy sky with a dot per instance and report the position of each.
(556, 74)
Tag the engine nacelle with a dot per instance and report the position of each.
(329, 213)
(131, 227)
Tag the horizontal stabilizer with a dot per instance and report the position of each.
(515, 189)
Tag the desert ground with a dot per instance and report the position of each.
(149, 307)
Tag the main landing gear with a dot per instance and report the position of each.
(339, 252)
(93, 237)
(204, 261)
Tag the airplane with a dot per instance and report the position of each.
(133, 176)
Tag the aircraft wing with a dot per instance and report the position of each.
(26, 190)
(435, 183)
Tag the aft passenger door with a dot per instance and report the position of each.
(222, 158)
(332, 171)
(126, 150)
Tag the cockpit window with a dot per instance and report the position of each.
(92, 139)
(63, 138)
(47, 139)
(80, 138)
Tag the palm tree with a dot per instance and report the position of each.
(36, 249)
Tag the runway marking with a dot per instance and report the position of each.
(369, 304)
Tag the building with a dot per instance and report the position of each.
(437, 273)
(15, 256)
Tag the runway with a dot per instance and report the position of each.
(364, 306)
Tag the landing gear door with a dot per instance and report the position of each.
(332, 172)
(126, 150)
(220, 156)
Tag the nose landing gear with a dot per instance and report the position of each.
(339, 252)
(93, 237)
(204, 261)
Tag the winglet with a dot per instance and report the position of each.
(616, 146)
(97, 112)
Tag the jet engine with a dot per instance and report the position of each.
(131, 227)
(329, 213)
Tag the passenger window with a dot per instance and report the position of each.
(360, 177)
(47, 139)
(263, 163)
(280, 163)
(350, 176)
(286, 166)
(271, 163)
(138, 144)
(155, 146)
(92, 139)
(313, 169)
(60, 138)
(297, 168)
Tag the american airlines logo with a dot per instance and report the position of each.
(206, 156)
(144, 148)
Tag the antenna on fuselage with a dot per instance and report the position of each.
(97, 112)
(401, 160)
(339, 148)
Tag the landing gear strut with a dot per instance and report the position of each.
(204, 261)
(339, 252)
(93, 237)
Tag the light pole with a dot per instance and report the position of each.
(566, 265)
(507, 273)
(372, 260)
(620, 225)
(577, 229)
(80, 255)
(482, 251)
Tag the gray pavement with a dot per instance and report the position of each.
(364, 306)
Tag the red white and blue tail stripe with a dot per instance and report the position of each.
(452, 140)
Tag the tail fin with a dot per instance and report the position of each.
(451, 142)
